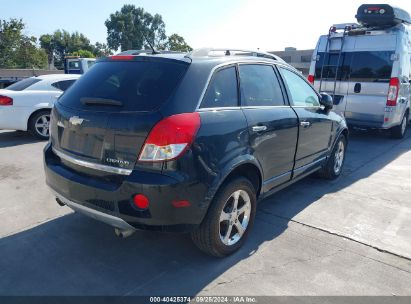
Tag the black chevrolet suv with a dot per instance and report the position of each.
(188, 142)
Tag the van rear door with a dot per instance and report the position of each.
(368, 88)
(328, 66)
(370, 74)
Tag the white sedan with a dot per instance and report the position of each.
(26, 105)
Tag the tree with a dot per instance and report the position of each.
(18, 50)
(177, 43)
(132, 28)
(47, 44)
(101, 50)
(83, 54)
(28, 56)
(61, 43)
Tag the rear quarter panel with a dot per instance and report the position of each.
(25, 103)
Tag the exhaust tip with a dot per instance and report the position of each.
(60, 202)
(123, 233)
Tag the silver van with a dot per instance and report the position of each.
(366, 67)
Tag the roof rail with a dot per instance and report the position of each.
(216, 52)
(138, 52)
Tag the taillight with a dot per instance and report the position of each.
(310, 79)
(170, 137)
(393, 92)
(6, 101)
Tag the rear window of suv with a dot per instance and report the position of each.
(132, 85)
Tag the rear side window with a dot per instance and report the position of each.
(222, 91)
(259, 86)
(23, 84)
(132, 85)
(63, 85)
(302, 94)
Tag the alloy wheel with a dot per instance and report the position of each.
(234, 217)
(339, 157)
(403, 124)
(42, 125)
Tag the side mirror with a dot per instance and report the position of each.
(326, 101)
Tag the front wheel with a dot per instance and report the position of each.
(335, 163)
(229, 219)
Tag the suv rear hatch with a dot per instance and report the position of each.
(105, 117)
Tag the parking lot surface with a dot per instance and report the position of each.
(351, 236)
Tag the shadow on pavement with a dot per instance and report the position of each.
(16, 138)
(74, 255)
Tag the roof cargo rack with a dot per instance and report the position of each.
(381, 15)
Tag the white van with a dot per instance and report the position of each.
(366, 67)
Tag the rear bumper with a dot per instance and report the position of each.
(108, 197)
(100, 216)
(370, 121)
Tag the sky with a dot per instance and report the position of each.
(267, 25)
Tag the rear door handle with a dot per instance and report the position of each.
(259, 128)
(305, 124)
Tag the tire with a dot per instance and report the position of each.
(335, 163)
(214, 236)
(39, 124)
(398, 132)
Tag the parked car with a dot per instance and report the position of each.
(175, 142)
(26, 104)
(366, 67)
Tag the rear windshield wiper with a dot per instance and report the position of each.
(100, 101)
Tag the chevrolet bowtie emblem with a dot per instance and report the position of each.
(76, 121)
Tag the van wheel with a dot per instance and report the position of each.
(39, 124)
(399, 131)
(228, 220)
(335, 163)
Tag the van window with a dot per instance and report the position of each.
(330, 66)
(373, 66)
(259, 86)
(302, 94)
(222, 91)
(137, 85)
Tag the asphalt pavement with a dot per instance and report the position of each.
(351, 236)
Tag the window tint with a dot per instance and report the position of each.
(137, 85)
(355, 66)
(222, 91)
(23, 84)
(259, 86)
(63, 85)
(330, 66)
(371, 67)
(302, 94)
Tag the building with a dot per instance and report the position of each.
(300, 59)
